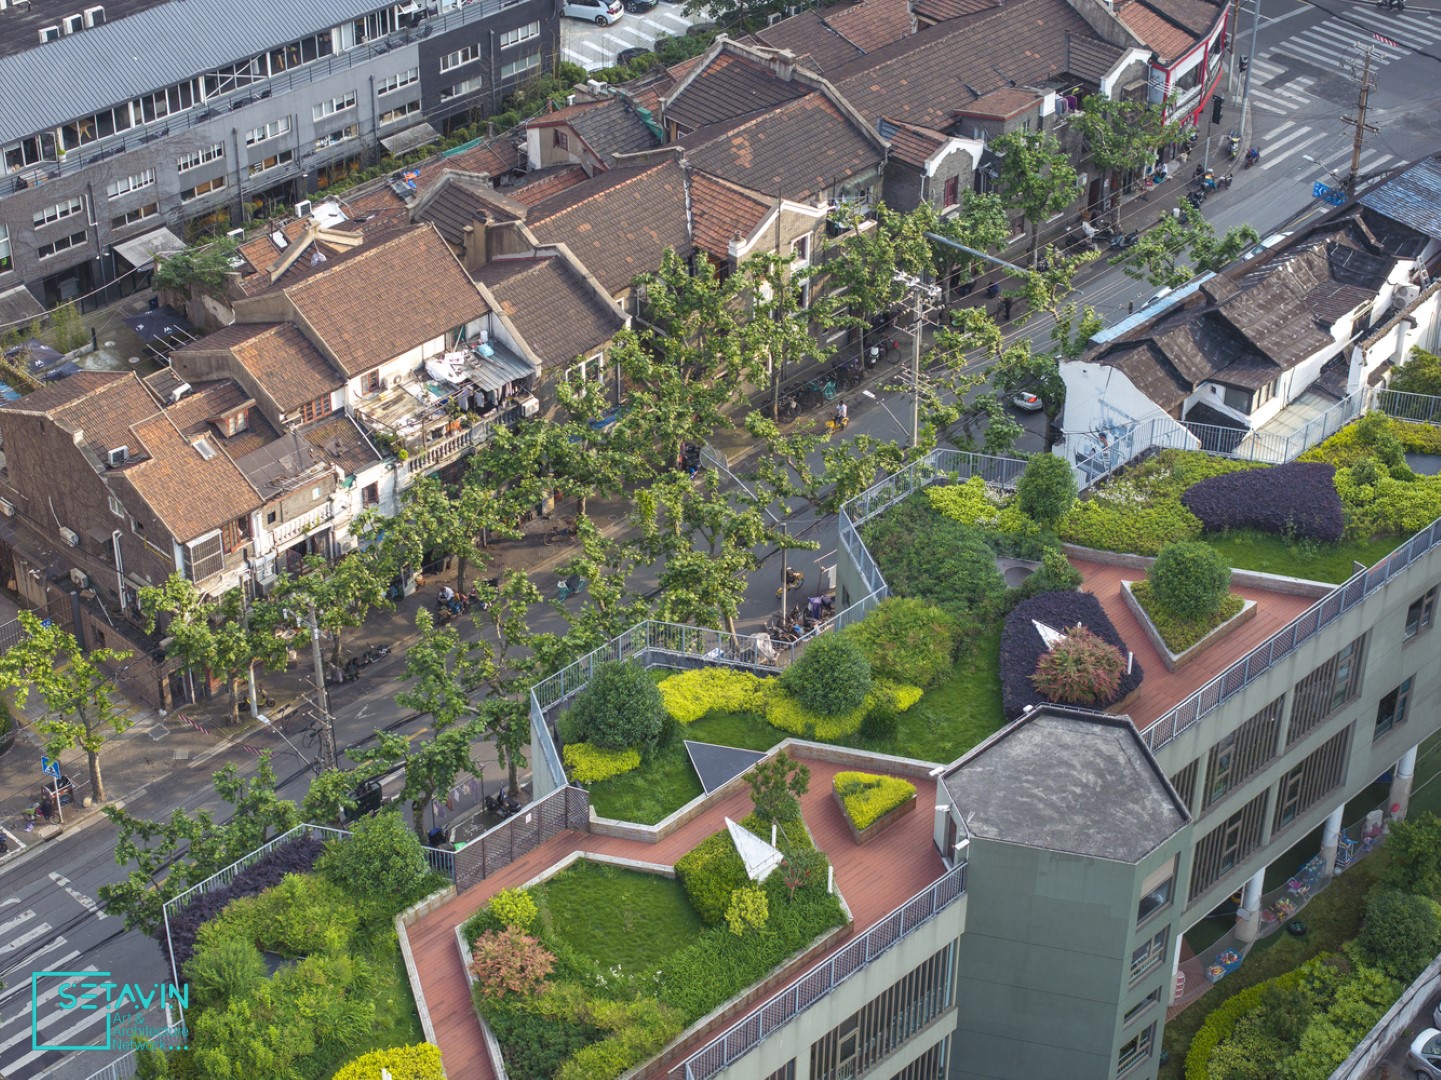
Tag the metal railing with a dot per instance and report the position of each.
(498, 847)
(763, 1021)
(1413, 408)
(958, 465)
(128, 1064)
(1286, 640)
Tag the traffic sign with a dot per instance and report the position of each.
(1326, 193)
(50, 768)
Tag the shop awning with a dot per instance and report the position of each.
(494, 371)
(403, 142)
(140, 251)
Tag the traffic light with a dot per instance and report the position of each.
(1245, 63)
(1216, 104)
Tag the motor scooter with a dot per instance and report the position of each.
(1253, 156)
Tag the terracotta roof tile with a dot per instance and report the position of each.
(554, 309)
(543, 187)
(911, 144)
(278, 357)
(189, 493)
(817, 45)
(1002, 104)
(193, 414)
(1197, 16)
(451, 205)
(1169, 41)
(941, 10)
(108, 403)
(729, 86)
(872, 24)
(619, 224)
(495, 158)
(342, 443)
(1089, 58)
(720, 210)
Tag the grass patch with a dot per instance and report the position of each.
(619, 918)
(1180, 634)
(1267, 553)
(1333, 918)
(667, 782)
(396, 1021)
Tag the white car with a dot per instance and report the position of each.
(1027, 402)
(600, 12)
(1423, 1060)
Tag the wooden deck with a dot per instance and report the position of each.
(1161, 690)
(874, 880)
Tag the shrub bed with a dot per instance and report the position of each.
(588, 764)
(421, 1062)
(907, 640)
(1380, 493)
(692, 695)
(1297, 499)
(1021, 645)
(1081, 669)
(926, 555)
(1178, 632)
(867, 797)
(787, 713)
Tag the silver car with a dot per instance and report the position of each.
(1423, 1060)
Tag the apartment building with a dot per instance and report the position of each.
(128, 140)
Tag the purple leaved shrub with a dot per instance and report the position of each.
(1022, 647)
(1298, 499)
(294, 857)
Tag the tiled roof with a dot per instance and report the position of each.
(872, 24)
(797, 150)
(729, 86)
(1002, 104)
(816, 45)
(554, 309)
(1197, 16)
(279, 357)
(550, 182)
(105, 414)
(1090, 59)
(495, 158)
(609, 127)
(342, 443)
(188, 493)
(619, 223)
(453, 205)
(1169, 41)
(941, 10)
(913, 145)
(1412, 197)
(192, 415)
(387, 298)
(720, 210)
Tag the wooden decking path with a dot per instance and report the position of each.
(1161, 690)
(874, 880)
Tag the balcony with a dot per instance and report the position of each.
(287, 532)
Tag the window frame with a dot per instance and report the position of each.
(210, 187)
(118, 188)
(1424, 607)
(263, 133)
(1150, 955)
(61, 244)
(197, 158)
(1145, 1043)
(462, 57)
(65, 208)
(1396, 714)
(326, 109)
(519, 34)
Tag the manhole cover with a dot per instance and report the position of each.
(110, 344)
(135, 359)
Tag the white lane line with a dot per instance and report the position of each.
(1258, 103)
(1291, 95)
(39, 931)
(1293, 150)
(10, 900)
(63, 1038)
(1273, 144)
(1379, 162)
(1282, 127)
(9, 925)
(1344, 33)
(79, 897)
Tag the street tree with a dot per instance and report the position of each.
(865, 265)
(505, 662)
(1019, 368)
(980, 224)
(786, 470)
(1036, 178)
(519, 467)
(600, 458)
(449, 520)
(81, 711)
(341, 594)
(1182, 245)
(777, 335)
(1123, 137)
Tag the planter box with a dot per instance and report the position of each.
(882, 824)
(1176, 661)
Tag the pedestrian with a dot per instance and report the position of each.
(843, 416)
(1008, 301)
(993, 290)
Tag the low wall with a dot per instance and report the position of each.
(1247, 579)
(402, 922)
(1403, 1020)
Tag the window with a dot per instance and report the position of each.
(590, 368)
(334, 105)
(204, 557)
(1325, 690)
(370, 494)
(274, 161)
(559, 139)
(1242, 753)
(235, 534)
(60, 211)
(801, 249)
(130, 217)
(465, 55)
(1265, 394)
(1138, 1049)
(237, 422)
(371, 383)
(392, 83)
(5, 263)
(1156, 891)
(1141, 1007)
(197, 158)
(1226, 846)
(519, 67)
(1312, 780)
(331, 138)
(1150, 955)
(205, 187)
(1420, 614)
(116, 506)
(400, 112)
(65, 243)
(314, 410)
(1391, 713)
(952, 196)
(519, 34)
(117, 188)
(265, 132)
(460, 89)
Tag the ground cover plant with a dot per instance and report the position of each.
(1022, 647)
(1298, 499)
(1180, 632)
(867, 797)
(1381, 495)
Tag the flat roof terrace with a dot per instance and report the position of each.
(874, 880)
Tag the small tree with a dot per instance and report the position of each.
(777, 786)
(205, 267)
(1401, 933)
(1413, 855)
(1047, 489)
(381, 857)
(1081, 669)
(1037, 178)
(342, 595)
(1189, 579)
(1124, 135)
(832, 676)
(1182, 245)
(1420, 374)
(509, 962)
(621, 709)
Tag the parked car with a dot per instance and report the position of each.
(1027, 402)
(600, 12)
(640, 7)
(626, 57)
(1424, 1057)
(697, 29)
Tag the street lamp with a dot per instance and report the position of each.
(1338, 177)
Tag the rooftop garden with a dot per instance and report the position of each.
(597, 969)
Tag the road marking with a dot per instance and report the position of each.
(63, 1038)
(1256, 102)
(58, 943)
(9, 901)
(6, 927)
(1289, 15)
(1274, 144)
(1295, 149)
(79, 897)
(25, 938)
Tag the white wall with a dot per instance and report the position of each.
(1107, 415)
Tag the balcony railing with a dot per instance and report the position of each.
(287, 531)
(751, 1030)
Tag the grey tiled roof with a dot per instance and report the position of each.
(1413, 198)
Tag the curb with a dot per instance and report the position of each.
(87, 819)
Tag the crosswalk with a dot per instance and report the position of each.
(597, 47)
(1393, 35)
(1291, 140)
(1281, 99)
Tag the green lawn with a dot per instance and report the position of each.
(668, 782)
(620, 918)
(1269, 553)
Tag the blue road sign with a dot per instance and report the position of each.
(1327, 194)
(50, 768)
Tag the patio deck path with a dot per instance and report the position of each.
(874, 880)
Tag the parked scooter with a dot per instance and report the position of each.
(1227, 180)
(1121, 241)
(1233, 145)
(502, 805)
(1399, 5)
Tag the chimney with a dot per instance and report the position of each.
(473, 254)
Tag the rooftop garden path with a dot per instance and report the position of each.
(874, 880)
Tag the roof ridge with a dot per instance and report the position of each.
(359, 255)
(642, 171)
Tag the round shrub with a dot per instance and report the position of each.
(907, 640)
(1401, 932)
(621, 709)
(229, 968)
(514, 908)
(1047, 489)
(1081, 669)
(509, 962)
(382, 858)
(831, 677)
(1190, 579)
(419, 1062)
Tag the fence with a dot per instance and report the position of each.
(1414, 408)
(959, 465)
(1285, 641)
(565, 808)
(751, 1030)
(126, 1066)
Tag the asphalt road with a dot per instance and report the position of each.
(595, 47)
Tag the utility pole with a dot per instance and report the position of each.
(1363, 102)
(785, 572)
(327, 728)
(1250, 61)
(920, 290)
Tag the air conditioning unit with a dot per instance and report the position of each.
(529, 406)
(1406, 295)
(237, 234)
(118, 456)
(78, 578)
(49, 33)
(70, 536)
(302, 208)
(73, 24)
(95, 16)
(7, 508)
(179, 392)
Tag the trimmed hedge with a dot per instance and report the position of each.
(925, 554)
(1298, 499)
(1021, 645)
(785, 712)
(587, 763)
(692, 695)
(419, 1062)
(1225, 1017)
(711, 871)
(867, 797)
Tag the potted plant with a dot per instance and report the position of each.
(872, 804)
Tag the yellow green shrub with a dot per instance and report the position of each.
(691, 695)
(514, 907)
(785, 712)
(867, 797)
(419, 1062)
(588, 764)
